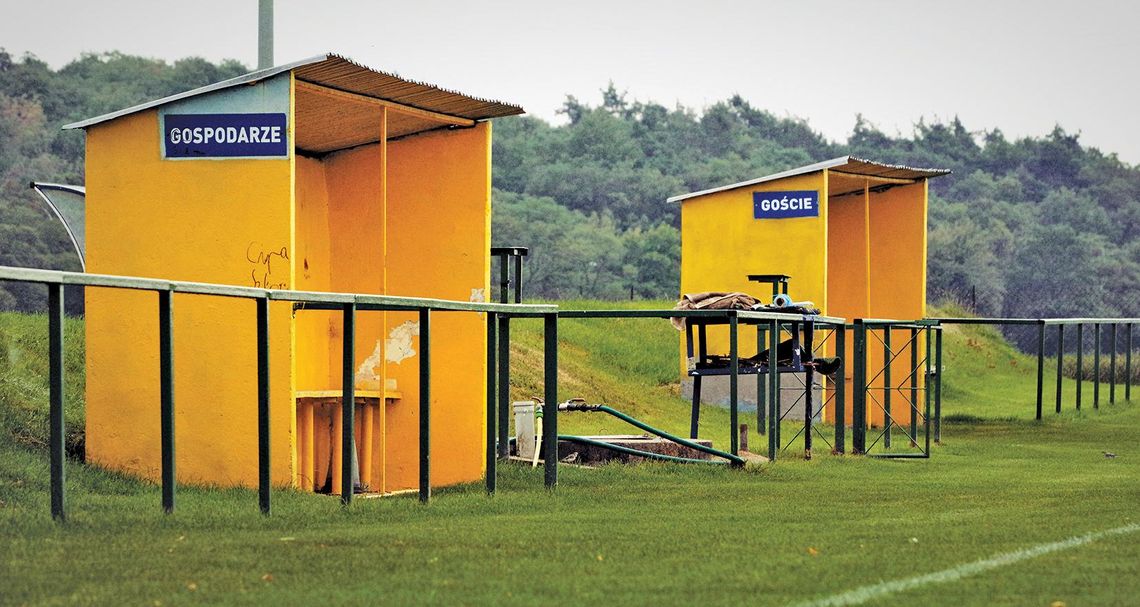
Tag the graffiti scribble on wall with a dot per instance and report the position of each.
(262, 272)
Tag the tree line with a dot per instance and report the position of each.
(1026, 227)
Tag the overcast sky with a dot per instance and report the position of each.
(1020, 66)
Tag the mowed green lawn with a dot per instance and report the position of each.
(786, 533)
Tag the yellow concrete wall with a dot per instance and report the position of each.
(898, 286)
(224, 221)
(439, 193)
(847, 270)
(340, 244)
(314, 273)
(722, 243)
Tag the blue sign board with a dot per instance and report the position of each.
(781, 205)
(225, 135)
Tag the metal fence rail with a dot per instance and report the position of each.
(1080, 323)
(348, 304)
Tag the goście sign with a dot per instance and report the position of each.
(260, 135)
(782, 205)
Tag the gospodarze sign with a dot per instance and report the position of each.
(225, 136)
(781, 205)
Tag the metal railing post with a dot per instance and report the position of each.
(504, 345)
(166, 394)
(1080, 361)
(761, 386)
(809, 379)
(773, 389)
(1040, 365)
(1060, 361)
(859, 398)
(888, 386)
(425, 405)
(550, 408)
(938, 386)
(1128, 364)
(263, 459)
(1112, 367)
(926, 396)
(347, 401)
(914, 383)
(733, 384)
(492, 402)
(841, 389)
(55, 392)
(518, 278)
(1096, 365)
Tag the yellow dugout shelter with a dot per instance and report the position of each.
(850, 233)
(319, 175)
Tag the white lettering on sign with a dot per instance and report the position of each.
(787, 204)
(226, 134)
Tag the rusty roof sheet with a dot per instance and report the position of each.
(339, 72)
(848, 165)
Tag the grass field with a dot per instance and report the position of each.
(791, 533)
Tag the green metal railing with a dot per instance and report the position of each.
(348, 304)
(1080, 323)
(924, 376)
(767, 323)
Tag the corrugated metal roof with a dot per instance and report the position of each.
(339, 72)
(849, 165)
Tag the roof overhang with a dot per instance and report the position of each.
(338, 73)
(881, 172)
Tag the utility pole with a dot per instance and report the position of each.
(264, 34)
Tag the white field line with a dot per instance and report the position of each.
(874, 591)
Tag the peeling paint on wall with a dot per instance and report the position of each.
(398, 346)
(478, 295)
(368, 375)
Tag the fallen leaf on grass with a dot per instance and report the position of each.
(191, 586)
(268, 577)
(812, 551)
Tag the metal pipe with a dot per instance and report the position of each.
(166, 395)
(56, 428)
(264, 34)
(425, 406)
(492, 402)
(263, 459)
(550, 412)
(518, 278)
(347, 401)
